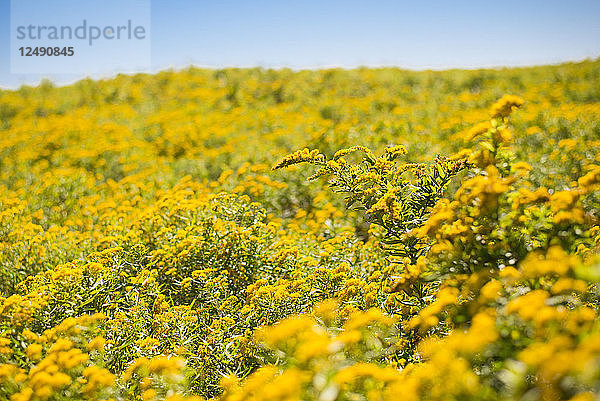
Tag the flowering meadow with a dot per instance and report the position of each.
(252, 234)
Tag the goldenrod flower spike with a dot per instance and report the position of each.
(505, 106)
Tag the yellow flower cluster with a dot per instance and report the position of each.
(300, 156)
(505, 106)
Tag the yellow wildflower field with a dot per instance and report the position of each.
(252, 234)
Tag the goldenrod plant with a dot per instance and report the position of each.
(396, 197)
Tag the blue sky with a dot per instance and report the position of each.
(309, 34)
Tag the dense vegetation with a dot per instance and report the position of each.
(159, 237)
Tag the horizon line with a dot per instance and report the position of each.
(425, 68)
